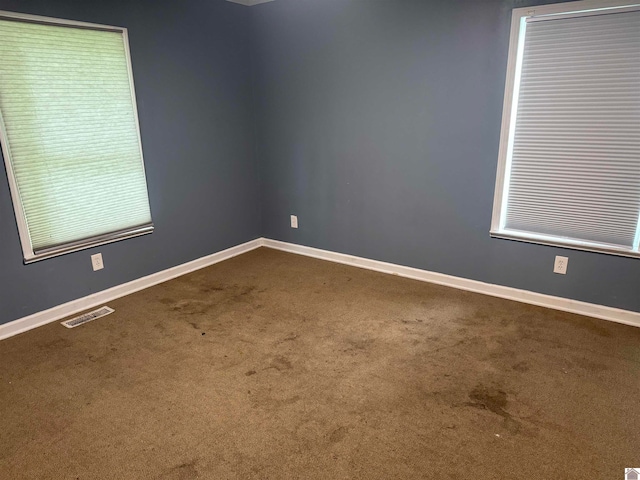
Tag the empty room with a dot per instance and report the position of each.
(319, 239)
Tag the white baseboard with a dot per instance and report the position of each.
(558, 303)
(91, 301)
(76, 306)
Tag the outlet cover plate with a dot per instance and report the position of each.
(96, 262)
(560, 265)
(294, 221)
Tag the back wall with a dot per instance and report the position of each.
(378, 125)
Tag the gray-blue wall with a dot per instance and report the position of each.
(375, 121)
(378, 125)
(191, 63)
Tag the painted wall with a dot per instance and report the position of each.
(193, 83)
(378, 125)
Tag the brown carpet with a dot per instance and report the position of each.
(272, 365)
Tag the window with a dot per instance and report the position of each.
(69, 134)
(569, 161)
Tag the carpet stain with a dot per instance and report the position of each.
(55, 344)
(211, 288)
(495, 400)
(363, 343)
(338, 434)
(521, 367)
(191, 307)
(246, 290)
(289, 338)
(489, 398)
(590, 365)
(184, 471)
(281, 363)
(416, 321)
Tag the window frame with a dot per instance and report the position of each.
(29, 253)
(509, 112)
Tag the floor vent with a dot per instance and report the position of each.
(87, 317)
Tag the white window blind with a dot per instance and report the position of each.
(70, 135)
(569, 171)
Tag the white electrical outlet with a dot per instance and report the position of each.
(560, 265)
(96, 261)
(294, 221)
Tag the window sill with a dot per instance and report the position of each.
(87, 243)
(572, 243)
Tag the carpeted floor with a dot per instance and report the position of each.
(272, 365)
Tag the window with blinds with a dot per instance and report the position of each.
(569, 166)
(69, 134)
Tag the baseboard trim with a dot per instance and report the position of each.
(96, 299)
(557, 303)
(74, 307)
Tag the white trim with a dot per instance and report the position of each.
(581, 6)
(249, 3)
(571, 243)
(60, 312)
(626, 317)
(507, 109)
(76, 306)
(57, 21)
(584, 13)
